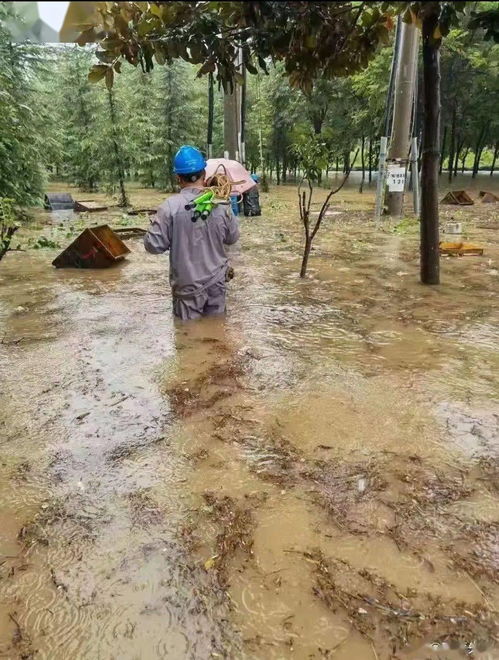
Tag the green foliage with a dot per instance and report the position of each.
(21, 141)
(8, 224)
(76, 117)
(312, 156)
(312, 39)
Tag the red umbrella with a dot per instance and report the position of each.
(234, 170)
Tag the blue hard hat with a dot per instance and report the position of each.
(188, 160)
(255, 178)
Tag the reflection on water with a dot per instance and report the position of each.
(178, 491)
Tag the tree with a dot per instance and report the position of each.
(141, 119)
(312, 156)
(116, 162)
(76, 123)
(22, 159)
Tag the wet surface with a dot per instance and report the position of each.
(314, 476)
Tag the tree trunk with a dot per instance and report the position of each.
(242, 113)
(120, 170)
(463, 160)
(456, 159)
(430, 258)
(209, 137)
(363, 164)
(231, 125)
(370, 161)
(278, 172)
(442, 153)
(479, 149)
(452, 145)
(494, 158)
(306, 254)
(170, 182)
(346, 161)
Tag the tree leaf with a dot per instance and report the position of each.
(97, 72)
(86, 37)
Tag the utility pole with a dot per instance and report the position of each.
(381, 181)
(405, 79)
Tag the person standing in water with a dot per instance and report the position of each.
(198, 260)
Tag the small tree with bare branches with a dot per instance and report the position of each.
(313, 157)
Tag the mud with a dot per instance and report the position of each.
(314, 476)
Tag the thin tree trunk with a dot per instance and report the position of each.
(456, 159)
(209, 137)
(346, 161)
(306, 254)
(442, 153)
(452, 146)
(479, 149)
(430, 258)
(494, 158)
(120, 170)
(169, 135)
(363, 164)
(370, 161)
(463, 160)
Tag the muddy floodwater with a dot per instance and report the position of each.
(314, 476)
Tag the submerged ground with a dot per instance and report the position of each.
(314, 476)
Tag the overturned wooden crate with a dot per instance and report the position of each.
(95, 247)
(460, 197)
(145, 211)
(488, 197)
(58, 202)
(89, 206)
(129, 232)
(461, 249)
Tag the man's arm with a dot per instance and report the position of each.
(158, 238)
(231, 228)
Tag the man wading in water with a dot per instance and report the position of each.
(198, 262)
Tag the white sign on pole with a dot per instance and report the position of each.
(395, 178)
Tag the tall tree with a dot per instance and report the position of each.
(77, 121)
(21, 138)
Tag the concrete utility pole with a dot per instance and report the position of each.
(405, 84)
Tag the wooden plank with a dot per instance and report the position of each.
(89, 206)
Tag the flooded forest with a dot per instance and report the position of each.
(313, 475)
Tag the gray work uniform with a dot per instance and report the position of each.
(198, 262)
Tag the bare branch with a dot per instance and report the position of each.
(325, 206)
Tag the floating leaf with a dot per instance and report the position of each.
(210, 562)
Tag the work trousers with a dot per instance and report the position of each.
(210, 302)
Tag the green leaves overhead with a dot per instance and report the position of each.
(311, 38)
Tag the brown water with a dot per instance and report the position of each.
(313, 476)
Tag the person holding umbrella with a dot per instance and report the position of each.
(198, 261)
